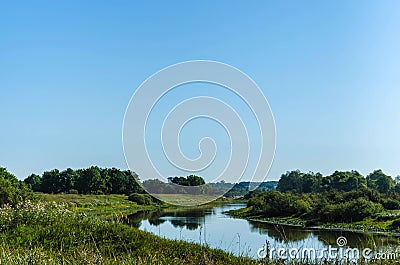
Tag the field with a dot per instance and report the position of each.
(104, 206)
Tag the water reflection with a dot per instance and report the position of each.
(190, 219)
(282, 234)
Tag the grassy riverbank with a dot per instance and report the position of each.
(381, 223)
(115, 205)
(50, 233)
(103, 206)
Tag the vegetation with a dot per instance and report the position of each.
(48, 233)
(141, 199)
(343, 197)
(12, 191)
(105, 207)
(93, 180)
(324, 207)
(300, 182)
(191, 180)
(179, 185)
(241, 189)
(57, 229)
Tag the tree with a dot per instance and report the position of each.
(397, 179)
(34, 182)
(67, 180)
(380, 181)
(51, 182)
(300, 182)
(191, 180)
(290, 181)
(12, 190)
(347, 180)
(90, 181)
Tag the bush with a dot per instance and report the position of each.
(140, 199)
(390, 204)
(73, 191)
(12, 191)
(355, 210)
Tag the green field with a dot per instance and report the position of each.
(104, 206)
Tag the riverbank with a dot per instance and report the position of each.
(50, 233)
(365, 226)
(116, 205)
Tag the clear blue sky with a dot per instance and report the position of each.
(330, 71)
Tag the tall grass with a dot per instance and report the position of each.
(49, 233)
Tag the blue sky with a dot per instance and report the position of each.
(330, 71)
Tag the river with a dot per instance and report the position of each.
(210, 226)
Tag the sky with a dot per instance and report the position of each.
(329, 70)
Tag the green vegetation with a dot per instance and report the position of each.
(343, 199)
(49, 233)
(103, 206)
(300, 182)
(141, 199)
(66, 228)
(93, 180)
(191, 180)
(181, 185)
(12, 191)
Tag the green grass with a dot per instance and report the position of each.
(104, 206)
(49, 232)
(116, 205)
(186, 199)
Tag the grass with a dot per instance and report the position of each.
(104, 206)
(186, 199)
(49, 233)
(114, 205)
(46, 232)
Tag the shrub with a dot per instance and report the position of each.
(355, 210)
(73, 191)
(390, 204)
(12, 191)
(140, 199)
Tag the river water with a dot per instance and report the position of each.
(210, 226)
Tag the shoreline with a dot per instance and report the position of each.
(369, 230)
(301, 224)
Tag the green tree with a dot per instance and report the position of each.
(290, 181)
(34, 182)
(12, 190)
(191, 180)
(90, 181)
(380, 181)
(347, 180)
(51, 182)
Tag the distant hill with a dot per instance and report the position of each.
(243, 188)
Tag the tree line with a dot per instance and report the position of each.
(92, 180)
(300, 182)
(341, 197)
